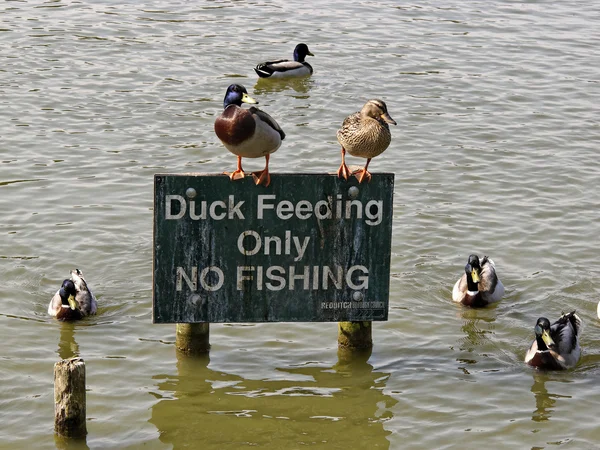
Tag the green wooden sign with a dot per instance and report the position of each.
(307, 248)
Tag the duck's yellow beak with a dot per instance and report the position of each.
(310, 54)
(72, 302)
(547, 339)
(475, 275)
(386, 116)
(247, 99)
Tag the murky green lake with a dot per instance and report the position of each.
(495, 152)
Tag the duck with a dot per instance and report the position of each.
(365, 134)
(479, 285)
(247, 133)
(74, 300)
(556, 346)
(284, 68)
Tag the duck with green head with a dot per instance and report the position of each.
(74, 300)
(365, 134)
(556, 346)
(479, 285)
(284, 68)
(247, 133)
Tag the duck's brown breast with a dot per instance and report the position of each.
(234, 125)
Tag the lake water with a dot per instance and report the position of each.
(495, 152)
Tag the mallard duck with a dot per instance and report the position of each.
(365, 134)
(74, 300)
(247, 133)
(555, 346)
(479, 285)
(284, 68)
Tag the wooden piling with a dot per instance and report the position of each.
(69, 398)
(193, 338)
(355, 335)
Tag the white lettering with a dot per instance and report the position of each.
(363, 280)
(204, 274)
(257, 243)
(213, 213)
(262, 206)
(168, 208)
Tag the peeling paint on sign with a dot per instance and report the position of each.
(307, 248)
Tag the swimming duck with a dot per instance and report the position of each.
(74, 300)
(555, 346)
(365, 134)
(285, 68)
(247, 133)
(479, 285)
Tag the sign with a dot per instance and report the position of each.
(307, 248)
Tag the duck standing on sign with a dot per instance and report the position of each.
(284, 68)
(247, 133)
(365, 134)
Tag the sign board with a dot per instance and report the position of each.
(307, 248)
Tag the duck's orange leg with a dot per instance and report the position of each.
(364, 173)
(343, 171)
(238, 174)
(263, 177)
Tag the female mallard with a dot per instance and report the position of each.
(284, 68)
(247, 133)
(74, 300)
(365, 134)
(555, 346)
(479, 285)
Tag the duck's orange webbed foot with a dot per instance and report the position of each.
(237, 174)
(361, 175)
(343, 171)
(263, 177)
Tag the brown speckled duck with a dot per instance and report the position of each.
(247, 133)
(365, 134)
(74, 300)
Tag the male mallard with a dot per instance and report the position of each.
(284, 68)
(247, 133)
(73, 300)
(556, 346)
(479, 285)
(365, 134)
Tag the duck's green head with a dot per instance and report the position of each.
(473, 269)
(67, 294)
(301, 51)
(542, 331)
(236, 95)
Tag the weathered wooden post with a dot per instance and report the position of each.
(355, 335)
(69, 398)
(193, 338)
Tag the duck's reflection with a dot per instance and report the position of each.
(304, 405)
(544, 400)
(67, 346)
(299, 85)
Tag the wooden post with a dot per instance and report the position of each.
(69, 398)
(193, 338)
(355, 335)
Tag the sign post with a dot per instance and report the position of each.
(307, 248)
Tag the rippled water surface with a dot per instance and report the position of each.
(495, 152)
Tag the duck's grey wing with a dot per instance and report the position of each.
(87, 302)
(263, 116)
